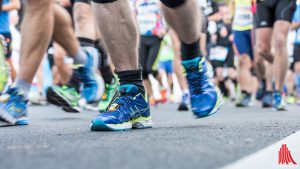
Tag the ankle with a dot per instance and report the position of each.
(132, 77)
(190, 51)
(23, 86)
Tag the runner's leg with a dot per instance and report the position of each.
(263, 48)
(36, 34)
(281, 30)
(116, 24)
(85, 25)
(184, 17)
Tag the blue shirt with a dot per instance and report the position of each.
(297, 19)
(4, 19)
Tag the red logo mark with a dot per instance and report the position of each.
(285, 157)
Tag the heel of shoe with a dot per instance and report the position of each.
(142, 123)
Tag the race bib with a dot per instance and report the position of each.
(218, 53)
(147, 23)
(243, 16)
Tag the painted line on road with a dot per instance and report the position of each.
(268, 158)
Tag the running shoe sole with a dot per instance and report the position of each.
(57, 99)
(280, 109)
(183, 107)
(264, 105)
(6, 118)
(139, 123)
(239, 105)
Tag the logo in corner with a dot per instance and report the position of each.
(285, 156)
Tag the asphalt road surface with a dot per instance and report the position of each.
(58, 140)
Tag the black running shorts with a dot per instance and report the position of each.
(270, 11)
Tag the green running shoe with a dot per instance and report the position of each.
(65, 97)
(291, 99)
(4, 72)
(108, 95)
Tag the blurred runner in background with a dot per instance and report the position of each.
(7, 6)
(273, 21)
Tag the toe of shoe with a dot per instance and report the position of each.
(98, 124)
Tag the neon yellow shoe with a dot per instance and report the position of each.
(108, 95)
(291, 99)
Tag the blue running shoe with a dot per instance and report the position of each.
(88, 76)
(267, 101)
(128, 109)
(206, 98)
(13, 107)
(244, 101)
(278, 102)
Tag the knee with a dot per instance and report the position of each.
(62, 17)
(244, 61)
(59, 58)
(173, 3)
(280, 41)
(262, 49)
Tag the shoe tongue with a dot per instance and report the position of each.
(131, 89)
(191, 63)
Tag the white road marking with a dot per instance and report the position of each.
(268, 158)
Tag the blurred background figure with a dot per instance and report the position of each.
(5, 31)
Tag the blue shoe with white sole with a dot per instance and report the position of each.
(127, 110)
(278, 101)
(13, 107)
(206, 98)
(88, 76)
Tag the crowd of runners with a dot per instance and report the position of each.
(121, 57)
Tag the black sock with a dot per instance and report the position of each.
(103, 65)
(107, 74)
(190, 51)
(246, 93)
(74, 82)
(263, 83)
(86, 42)
(99, 45)
(133, 77)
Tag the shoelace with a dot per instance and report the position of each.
(196, 78)
(120, 98)
(13, 92)
(70, 90)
